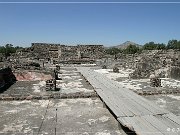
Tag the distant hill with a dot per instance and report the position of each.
(126, 44)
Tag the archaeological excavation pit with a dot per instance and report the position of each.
(78, 94)
(27, 108)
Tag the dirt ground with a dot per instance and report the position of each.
(68, 116)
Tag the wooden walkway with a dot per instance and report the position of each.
(131, 110)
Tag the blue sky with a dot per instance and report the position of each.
(107, 24)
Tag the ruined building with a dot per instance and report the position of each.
(64, 53)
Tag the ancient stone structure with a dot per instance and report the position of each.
(164, 63)
(51, 85)
(64, 53)
(155, 81)
(27, 66)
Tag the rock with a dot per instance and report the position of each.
(104, 67)
(152, 76)
(116, 69)
(155, 81)
(29, 97)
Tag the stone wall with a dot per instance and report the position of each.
(64, 53)
(91, 51)
(162, 63)
(69, 53)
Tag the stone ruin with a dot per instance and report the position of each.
(116, 69)
(175, 68)
(162, 63)
(56, 53)
(43, 53)
(144, 68)
(27, 66)
(51, 85)
(155, 81)
(165, 63)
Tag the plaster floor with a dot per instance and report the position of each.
(85, 116)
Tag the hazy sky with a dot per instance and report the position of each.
(95, 23)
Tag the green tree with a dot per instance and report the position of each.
(131, 49)
(154, 46)
(113, 51)
(150, 46)
(2, 49)
(8, 49)
(178, 45)
(172, 44)
(161, 46)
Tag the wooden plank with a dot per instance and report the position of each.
(139, 126)
(159, 125)
(169, 123)
(173, 118)
(125, 93)
(142, 102)
(125, 122)
(125, 104)
(132, 110)
(120, 103)
(112, 104)
(108, 83)
(134, 107)
(142, 107)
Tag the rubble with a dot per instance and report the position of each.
(116, 69)
(28, 63)
(165, 63)
(27, 66)
(51, 85)
(62, 53)
(104, 67)
(155, 81)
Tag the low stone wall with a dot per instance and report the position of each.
(157, 92)
(50, 96)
